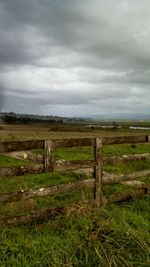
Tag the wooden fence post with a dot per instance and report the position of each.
(98, 170)
(48, 157)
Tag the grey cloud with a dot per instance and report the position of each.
(71, 25)
(99, 50)
(138, 77)
(1, 99)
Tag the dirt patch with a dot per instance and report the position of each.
(17, 154)
(24, 155)
(86, 171)
(133, 183)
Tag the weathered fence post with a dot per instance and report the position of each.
(98, 170)
(48, 157)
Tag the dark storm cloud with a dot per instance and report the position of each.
(62, 54)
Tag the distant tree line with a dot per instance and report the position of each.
(11, 119)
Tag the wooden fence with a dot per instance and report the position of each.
(49, 164)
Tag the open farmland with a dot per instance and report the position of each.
(117, 235)
(26, 132)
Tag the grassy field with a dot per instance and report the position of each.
(117, 235)
(27, 132)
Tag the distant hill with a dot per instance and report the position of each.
(15, 118)
(11, 117)
(121, 116)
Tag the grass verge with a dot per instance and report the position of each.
(116, 236)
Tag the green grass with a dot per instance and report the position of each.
(71, 153)
(126, 149)
(38, 180)
(74, 153)
(7, 161)
(34, 181)
(128, 167)
(77, 153)
(116, 236)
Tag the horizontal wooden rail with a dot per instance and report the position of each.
(126, 158)
(129, 195)
(21, 145)
(42, 215)
(115, 179)
(74, 142)
(47, 191)
(106, 141)
(21, 170)
(36, 144)
(125, 139)
(73, 164)
(63, 188)
(62, 165)
(39, 216)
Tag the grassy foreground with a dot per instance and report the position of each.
(115, 236)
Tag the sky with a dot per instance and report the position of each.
(75, 57)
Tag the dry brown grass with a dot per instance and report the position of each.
(26, 132)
